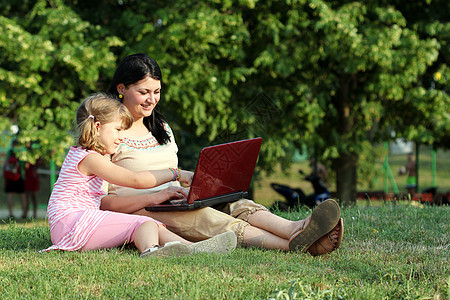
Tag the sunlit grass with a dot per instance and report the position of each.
(388, 252)
(394, 251)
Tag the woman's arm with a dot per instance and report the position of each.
(130, 204)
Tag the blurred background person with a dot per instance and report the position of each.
(31, 187)
(410, 170)
(14, 183)
(319, 170)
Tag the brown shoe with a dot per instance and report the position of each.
(323, 220)
(326, 244)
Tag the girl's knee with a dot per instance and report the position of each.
(148, 225)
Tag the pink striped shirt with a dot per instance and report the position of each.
(75, 194)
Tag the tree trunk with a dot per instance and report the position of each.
(346, 164)
(346, 167)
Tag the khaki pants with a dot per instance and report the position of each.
(200, 224)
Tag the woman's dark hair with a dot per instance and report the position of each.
(132, 69)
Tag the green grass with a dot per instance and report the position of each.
(395, 251)
(388, 252)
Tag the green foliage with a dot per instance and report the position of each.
(201, 52)
(335, 76)
(50, 60)
(352, 56)
(347, 75)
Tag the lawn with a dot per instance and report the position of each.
(389, 252)
(398, 250)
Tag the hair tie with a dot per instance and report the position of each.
(91, 116)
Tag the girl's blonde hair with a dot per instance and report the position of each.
(101, 108)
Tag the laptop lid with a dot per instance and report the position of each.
(224, 169)
(223, 174)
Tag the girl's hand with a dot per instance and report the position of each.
(186, 177)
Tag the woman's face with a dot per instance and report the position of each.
(141, 98)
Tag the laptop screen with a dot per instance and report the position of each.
(224, 169)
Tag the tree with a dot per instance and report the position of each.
(429, 19)
(199, 46)
(336, 76)
(343, 73)
(333, 75)
(49, 60)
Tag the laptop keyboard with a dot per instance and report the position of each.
(178, 201)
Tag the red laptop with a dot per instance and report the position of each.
(223, 174)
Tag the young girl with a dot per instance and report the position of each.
(77, 223)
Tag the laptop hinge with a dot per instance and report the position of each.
(231, 197)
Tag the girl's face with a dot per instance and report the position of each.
(142, 97)
(110, 134)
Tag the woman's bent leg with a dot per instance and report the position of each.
(200, 224)
(260, 217)
(207, 222)
(275, 224)
(257, 237)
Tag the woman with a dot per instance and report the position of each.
(150, 143)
